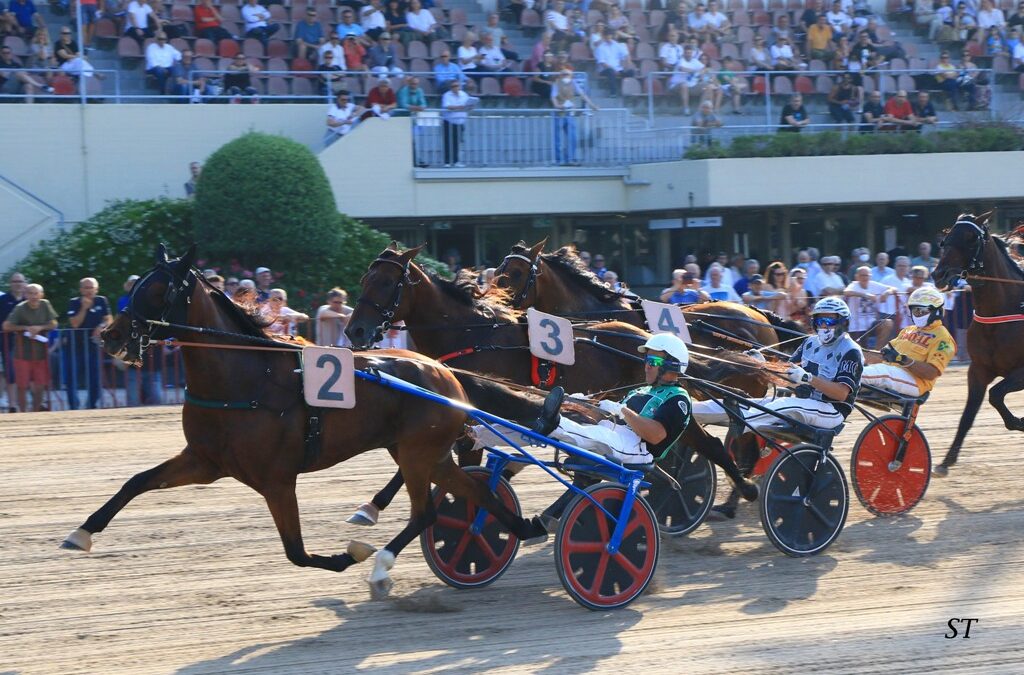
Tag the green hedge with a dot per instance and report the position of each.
(995, 137)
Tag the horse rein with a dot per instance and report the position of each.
(387, 313)
(519, 298)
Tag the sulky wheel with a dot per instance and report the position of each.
(457, 556)
(883, 488)
(681, 506)
(803, 510)
(593, 577)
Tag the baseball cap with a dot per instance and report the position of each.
(830, 260)
(261, 270)
(756, 277)
(688, 276)
(384, 35)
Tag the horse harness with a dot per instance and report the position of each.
(388, 313)
(519, 298)
(977, 264)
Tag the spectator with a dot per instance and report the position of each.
(784, 57)
(557, 24)
(584, 256)
(728, 276)
(750, 268)
(611, 280)
(828, 281)
(138, 20)
(839, 20)
(782, 29)
(798, 299)
(8, 301)
(230, 286)
(597, 266)
(122, 301)
(809, 17)
(964, 25)
(919, 276)
(468, 55)
(881, 269)
(330, 77)
(25, 13)
(162, 22)
(160, 58)
(238, 80)
(697, 23)
(758, 56)
(687, 76)
(217, 281)
(264, 278)
(245, 286)
(411, 97)
(332, 318)
(898, 113)
(718, 26)
(546, 73)
(285, 319)
(31, 319)
(349, 28)
(446, 72)
(703, 122)
(619, 23)
(990, 16)
(969, 79)
(394, 16)
(13, 80)
(900, 280)
(210, 24)
(670, 51)
(382, 58)
(456, 105)
(42, 50)
(841, 100)
(493, 28)
(685, 289)
(613, 62)
(90, 13)
(88, 314)
(257, 22)
(777, 283)
(731, 85)
(564, 95)
(760, 296)
(381, 101)
(871, 117)
(372, 19)
(422, 24)
(864, 297)
(188, 82)
(333, 47)
(924, 111)
(820, 40)
(716, 288)
(355, 53)
(308, 35)
(924, 257)
(492, 59)
(194, 171)
(794, 116)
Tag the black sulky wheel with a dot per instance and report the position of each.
(457, 556)
(803, 510)
(680, 509)
(593, 577)
(883, 488)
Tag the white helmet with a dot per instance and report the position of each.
(831, 305)
(830, 331)
(671, 345)
(929, 297)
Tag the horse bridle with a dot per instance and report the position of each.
(141, 326)
(520, 297)
(976, 263)
(387, 313)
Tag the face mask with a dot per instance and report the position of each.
(826, 335)
(863, 257)
(921, 321)
(566, 80)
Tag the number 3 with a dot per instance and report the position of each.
(325, 392)
(553, 334)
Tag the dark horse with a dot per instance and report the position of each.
(245, 417)
(560, 283)
(447, 320)
(970, 251)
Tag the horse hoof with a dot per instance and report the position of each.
(381, 589)
(360, 551)
(79, 540)
(940, 470)
(366, 515)
(722, 513)
(748, 490)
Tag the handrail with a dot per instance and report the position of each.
(33, 196)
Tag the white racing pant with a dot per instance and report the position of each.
(617, 442)
(891, 378)
(818, 414)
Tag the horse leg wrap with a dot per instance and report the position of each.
(380, 581)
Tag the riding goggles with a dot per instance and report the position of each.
(825, 321)
(920, 310)
(662, 362)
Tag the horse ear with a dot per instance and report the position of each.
(985, 217)
(393, 246)
(411, 253)
(161, 254)
(189, 257)
(536, 249)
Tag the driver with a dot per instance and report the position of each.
(910, 363)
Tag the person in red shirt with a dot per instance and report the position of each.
(381, 100)
(898, 113)
(208, 22)
(355, 54)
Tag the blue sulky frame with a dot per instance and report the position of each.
(632, 479)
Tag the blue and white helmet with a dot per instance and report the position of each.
(832, 305)
(828, 334)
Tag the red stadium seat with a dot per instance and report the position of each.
(301, 65)
(757, 86)
(278, 49)
(803, 85)
(513, 86)
(227, 49)
(63, 85)
(252, 48)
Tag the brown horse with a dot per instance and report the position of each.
(560, 283)
(971, 252)
(449, 321)
(245, 417)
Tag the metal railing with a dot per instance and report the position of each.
(774, 93)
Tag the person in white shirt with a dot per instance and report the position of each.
(371, 17)
(335, 47)
(332, 318)
(717, 288)
(557, 23)
(839, 20)
(718, 23)
(698, 23)
(827, 281)
(686, 76)
(897, 303)
(670, 50)
(422, 24)
(613, 62)
(342, 116)
(160, 58)
(989, 16)
(455, 105)
(138, 16)
(468, 55)
(783, 56)
(881, 269)
(492, 59)
(286, 319)
(257, 22)
(864, 297)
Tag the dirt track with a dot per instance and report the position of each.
(194, 580)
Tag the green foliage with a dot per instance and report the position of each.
(113, 244)
(988, 137)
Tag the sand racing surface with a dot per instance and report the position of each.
(194, 580)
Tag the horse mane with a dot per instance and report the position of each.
(1003, 244)
(566, 260)
(243, 308)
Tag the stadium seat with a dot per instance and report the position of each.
(823, 84)
(227, 49)
(762, 19)
(781, 85)
(229, 12)
(204, 63)
(1001, 64)
(656, 19)
(302, 86)
(803, 85)
(755, 5)
(593, 16)
(129, 52)
(644, 50)
(277, 86)
(105, 33)
(16, 45)
(436, 47)
(458, 32)
(417, 50)
(458, 15)
(578, 53)
(277, 65)
(180, 44)
(64, 85)
(757, 86)
(278, 49)
(419, 66)
(631, 87)
(711, 49)
(906, 82)
(252, 48)
(300, 64)
(93, 88)
(489, 87)
(729, 50)
(204, 47)
(513, 86)
(530, 19)
(869, 83)
(181, 13)
(897, 64)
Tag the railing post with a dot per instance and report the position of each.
(650, 99)
(767, 99)
(117, 85)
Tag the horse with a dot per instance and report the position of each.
(452, 322)
(994, 338)
(245, 417)
(560, 283)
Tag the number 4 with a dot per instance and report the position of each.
(665, 322)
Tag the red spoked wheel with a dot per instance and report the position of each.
(590, 574)
(882, 490)
(457, 556)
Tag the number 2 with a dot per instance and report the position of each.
(325, 393)
(553, 335)
(665, 322)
